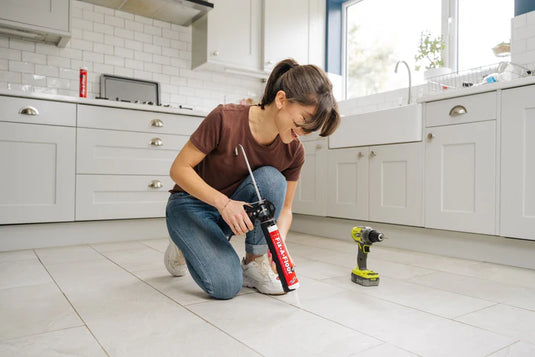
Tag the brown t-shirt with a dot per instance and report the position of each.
(221, 132)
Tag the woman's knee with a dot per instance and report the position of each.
(225, 286)
(271, 183)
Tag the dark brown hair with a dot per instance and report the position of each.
(307, 85)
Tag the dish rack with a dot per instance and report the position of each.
(502, 71)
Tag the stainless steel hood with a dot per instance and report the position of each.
(179, 12)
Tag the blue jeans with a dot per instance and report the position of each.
(202, 235)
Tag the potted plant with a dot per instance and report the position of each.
(429, 55)
(502, 49)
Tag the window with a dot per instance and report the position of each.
(379, 33)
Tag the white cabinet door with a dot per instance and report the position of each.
(229, 35)
(347, 195)
(460, 177)
(311, 194)
(518, 163)
(119, 197)
(286, 32)
(52, 14)
(396, 184)
(36, 173)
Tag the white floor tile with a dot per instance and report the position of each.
(506, 320)
(434, 301)
(75, 341)
(274, 328)
(22, 273)
(386, 350)
(130, 318)
(68, 254)
(412, 330)
(17, 255)
(519, 349)
(34, 309)
(481, 288)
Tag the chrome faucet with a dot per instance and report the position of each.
(410, 82)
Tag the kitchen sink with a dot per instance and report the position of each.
(394, 125)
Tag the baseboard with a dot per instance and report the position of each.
(42, 235)
(478, 247)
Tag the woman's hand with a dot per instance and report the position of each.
(234, 214)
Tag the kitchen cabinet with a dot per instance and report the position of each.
(347, 192)
(37, 146)
(298, 32)
(518, 163)
(261, 34)
(229, 36)
(123, 166)
(310, 196)
(460, 164)
(47, 20)
(377, 183)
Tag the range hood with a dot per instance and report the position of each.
(179, 12)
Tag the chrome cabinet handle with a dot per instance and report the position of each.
(430, 136)
(156, 142)
(157, 123)
(372, 153)
(458, 110)
(29, 111)
(155, 184)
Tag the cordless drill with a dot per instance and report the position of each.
(365, 237)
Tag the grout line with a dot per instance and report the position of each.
(70, 303)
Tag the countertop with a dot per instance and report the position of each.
(451, 93)
(102, 102)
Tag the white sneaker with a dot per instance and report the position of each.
(174, 260)
(259, 275)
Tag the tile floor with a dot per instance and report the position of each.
(118, 300)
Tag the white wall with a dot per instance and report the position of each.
(115, 42)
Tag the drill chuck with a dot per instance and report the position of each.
(375, 236)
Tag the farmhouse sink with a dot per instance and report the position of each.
(395, 125)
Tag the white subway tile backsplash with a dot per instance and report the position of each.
(22, 45)
(33, 57)
(24, 67)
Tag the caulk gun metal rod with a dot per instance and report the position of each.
(250, 172)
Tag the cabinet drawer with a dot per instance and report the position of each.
(472, 108)
(122, 152)
(35, 111)
(136, 120)
(119, 197)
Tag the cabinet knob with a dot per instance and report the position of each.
(156, 142)
(360, 154)
(319, 147)
(155, 184)
(215, 53)
(373, 154)
(157, 123)
(457, 110)
(29, 111)
(269, 62)
(430, 136)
